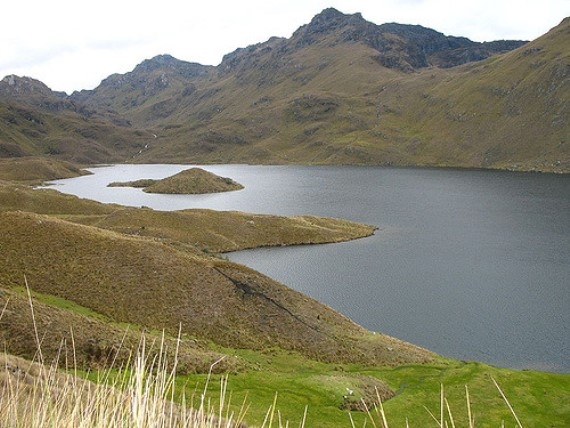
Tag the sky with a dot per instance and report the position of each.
(72, 45)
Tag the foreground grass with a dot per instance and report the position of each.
(278, 389)
(139, 395)
(286, 391)
(538, 398)
(289, 391)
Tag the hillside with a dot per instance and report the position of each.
(158, 285)
(35, 121)
(153, 269)
(36, 169)
(339, 90)
(91, 339)
(96, 290)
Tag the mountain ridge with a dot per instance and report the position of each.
(331, 93)
(416, 42)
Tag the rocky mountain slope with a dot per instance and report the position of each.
(37, 121)
(339, 90)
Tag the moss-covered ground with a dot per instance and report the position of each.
(539, 399)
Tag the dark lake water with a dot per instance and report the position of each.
(473, 265)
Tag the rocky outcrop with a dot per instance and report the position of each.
(30, 91)
(148, 79)
(405, 47)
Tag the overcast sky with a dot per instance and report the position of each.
(72, 45)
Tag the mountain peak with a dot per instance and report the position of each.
(331, 18)
(158, 61)
(168, 62)
(19, 86)
(328, 21)
(398, 46)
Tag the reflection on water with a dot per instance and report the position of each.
(470, 264)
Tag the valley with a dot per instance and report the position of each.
(84, 283)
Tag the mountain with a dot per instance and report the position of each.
(34, 120)
(149, 79)
(339, 90)
(404, 47)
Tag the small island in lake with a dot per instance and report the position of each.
(187, 182)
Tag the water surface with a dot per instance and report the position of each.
(471, 264)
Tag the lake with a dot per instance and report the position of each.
(474, 265)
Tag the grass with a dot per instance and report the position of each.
(187, 182)
(140, 394)
(158, 282)
(222, 231)
(209, 230)
(538, 398)
(145, 395)
(147, 249)
(285, 390)
(67, 305)
(34, 170)
(193, 180)
(298, 368)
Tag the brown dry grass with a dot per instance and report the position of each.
(15, 197)
(204, 230)
(77, 337)
(140, 393)
(35, 169)
(193, 181)
(223, 231)
(157, 285)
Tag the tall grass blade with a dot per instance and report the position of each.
(36, 334)
(507, 402)
(381, 406)
(304, 420)
(469, 415)
(441, 407)
(450, 414)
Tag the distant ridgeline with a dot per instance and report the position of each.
(340, 90)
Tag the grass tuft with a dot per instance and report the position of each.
(139, 394)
